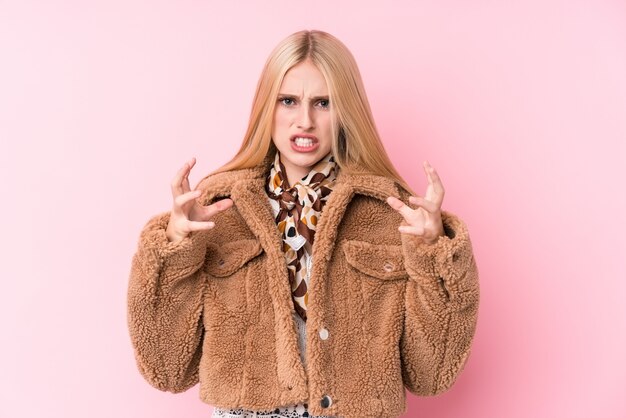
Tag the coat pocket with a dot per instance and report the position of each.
(226, 259)
(227, 266)
(377, 271)
(380, 261)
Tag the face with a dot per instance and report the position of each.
(302, 128)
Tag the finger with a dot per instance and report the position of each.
(176, 185)
(434, 179)
(410, 229)
(219, 206)
(185, 184)
(399, 206)
(180, 200)
(429, 206)
(200, 226)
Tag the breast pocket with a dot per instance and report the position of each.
(228, 267)
(379, 261)
(379, 269)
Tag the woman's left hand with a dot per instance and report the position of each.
(425, 221)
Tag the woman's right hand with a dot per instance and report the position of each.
(187, 214)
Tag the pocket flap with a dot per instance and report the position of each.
(377, 260)
(225, 259)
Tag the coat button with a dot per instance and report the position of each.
(324, 334)
(326, 401)
(388, 266)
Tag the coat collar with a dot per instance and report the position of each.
(223, 184)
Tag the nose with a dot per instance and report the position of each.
(305, 119)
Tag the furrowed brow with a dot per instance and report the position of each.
(314, 98)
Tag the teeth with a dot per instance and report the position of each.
(304, 142)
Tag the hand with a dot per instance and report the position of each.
(187, 214)
(425, 221)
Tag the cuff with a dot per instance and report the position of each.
(176, 258)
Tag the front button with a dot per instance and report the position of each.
(388, 266)
(324, 334)
(326, 401)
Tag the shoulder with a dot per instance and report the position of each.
(220, 184)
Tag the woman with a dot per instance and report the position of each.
(296, 280)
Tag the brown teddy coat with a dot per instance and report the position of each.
(385, 311)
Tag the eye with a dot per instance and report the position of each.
(324, 103)
(287, 101)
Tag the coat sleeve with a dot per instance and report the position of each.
(441, 308)
(164, 310)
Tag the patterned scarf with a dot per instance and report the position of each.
(297, 210)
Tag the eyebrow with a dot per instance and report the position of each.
(295, 95)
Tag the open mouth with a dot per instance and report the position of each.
(304, 140)
(303, 143)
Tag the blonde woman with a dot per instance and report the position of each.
(305, 277)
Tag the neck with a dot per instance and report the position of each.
(295, 173)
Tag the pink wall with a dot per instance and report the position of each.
(521, 106)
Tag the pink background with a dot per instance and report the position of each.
(521, 106)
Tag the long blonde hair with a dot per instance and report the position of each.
(356, 147)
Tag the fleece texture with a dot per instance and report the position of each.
(216, 307)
